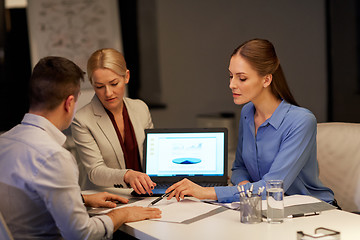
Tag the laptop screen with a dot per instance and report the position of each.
(199, 153)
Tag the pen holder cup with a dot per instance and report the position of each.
(250, 209)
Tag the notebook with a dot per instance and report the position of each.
(199, 154)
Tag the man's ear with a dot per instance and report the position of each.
(267, 80)
(69, 103)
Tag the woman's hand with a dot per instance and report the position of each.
(243, 182)
(187, 187)
(139, 181)
(103, 199)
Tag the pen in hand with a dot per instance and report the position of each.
(160, 198)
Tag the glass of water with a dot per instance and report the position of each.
(275, 201)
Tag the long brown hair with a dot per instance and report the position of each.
(261, 55)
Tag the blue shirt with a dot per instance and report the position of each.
(284, 148)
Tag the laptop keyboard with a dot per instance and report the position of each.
(161, 187)
(167, 185)
(211, 184)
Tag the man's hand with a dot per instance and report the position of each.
(141, 213)
(139, 181)
(103, 199)
(132, 214)
(187, 187)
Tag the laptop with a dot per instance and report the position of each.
(199, 154)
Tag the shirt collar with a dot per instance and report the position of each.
(276, 118)
(46, 125)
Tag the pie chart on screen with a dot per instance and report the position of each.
(186, 160)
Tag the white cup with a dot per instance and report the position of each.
(275, 201)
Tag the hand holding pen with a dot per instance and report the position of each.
(160, 198)
(185, 187)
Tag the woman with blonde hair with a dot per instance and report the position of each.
(277, 138)
(109, 131)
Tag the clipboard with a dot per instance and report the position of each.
(305, 208)
(297, 209)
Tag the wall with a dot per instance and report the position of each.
(196, 38)
(345, 60)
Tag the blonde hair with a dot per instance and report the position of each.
(261, 55)
(108, 58)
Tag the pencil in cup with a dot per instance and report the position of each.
(250, 209)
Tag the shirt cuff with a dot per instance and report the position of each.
(120, 181)
(227, 194)
(108, 225)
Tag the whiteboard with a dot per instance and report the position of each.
(73, 29)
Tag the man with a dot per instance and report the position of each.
(40, 195)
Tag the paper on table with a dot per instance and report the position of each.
(142, 202)
(184, 210)
(172, 211)
(295, 200)
(288, 201)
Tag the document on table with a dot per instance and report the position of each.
(293, 204)
(184, 210)
(294, 200)
(172, 211)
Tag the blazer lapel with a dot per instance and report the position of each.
(138, 129)
(107, 128)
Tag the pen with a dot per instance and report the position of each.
(304, 215)
(160, 198)
(238, 188)
(241, 192)
(251, 188)
(248, 193)
(261, 189)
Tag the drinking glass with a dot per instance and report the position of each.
(275, 201)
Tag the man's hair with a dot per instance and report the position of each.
(53, 80)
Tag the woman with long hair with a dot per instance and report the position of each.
(277, 138)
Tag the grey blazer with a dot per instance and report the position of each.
(98, 146)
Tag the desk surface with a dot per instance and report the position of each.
(226, 225)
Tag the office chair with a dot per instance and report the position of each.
(338, 154)
(4, 230)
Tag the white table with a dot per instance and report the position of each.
(226, 225)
